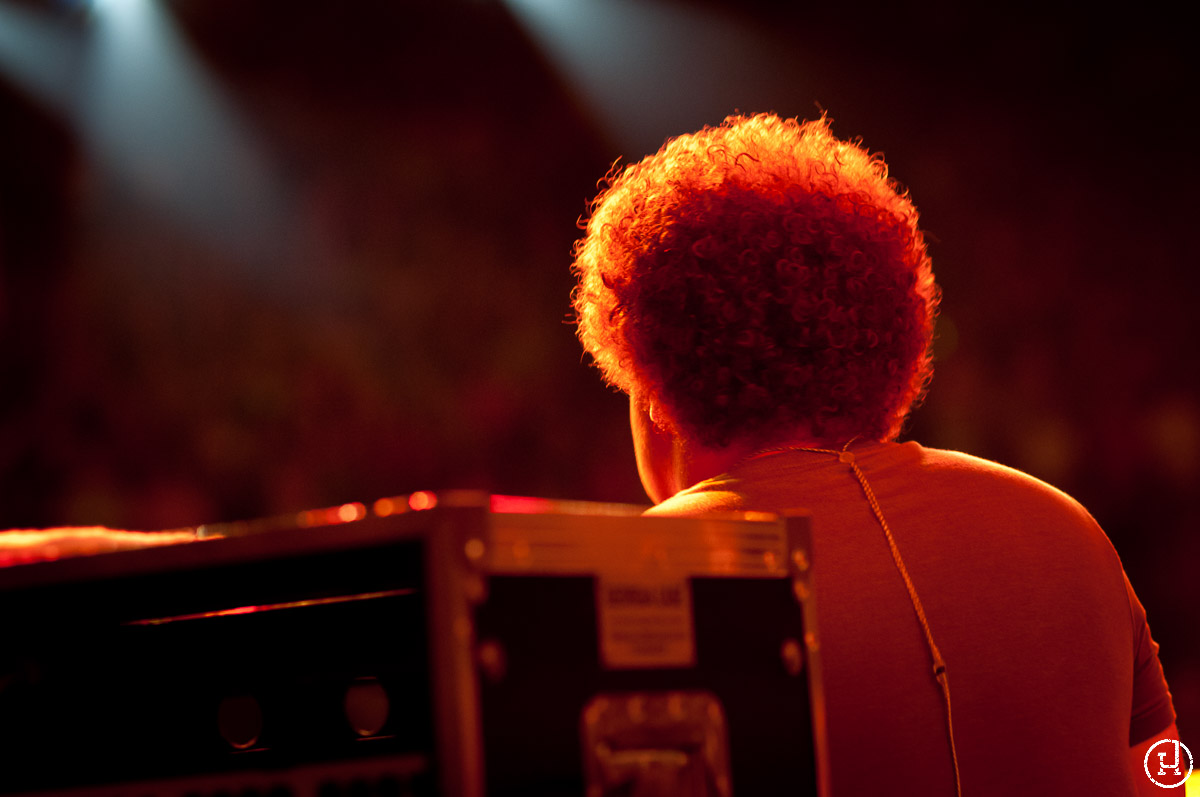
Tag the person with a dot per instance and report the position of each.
(763, 293)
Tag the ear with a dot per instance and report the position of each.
(656, 414)
(654, 447)
(645, 405)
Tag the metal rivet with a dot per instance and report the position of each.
(493, 662)
(240, 721)
(793, 656)
(800, 559)
(367, 706)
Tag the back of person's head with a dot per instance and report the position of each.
(759, 279)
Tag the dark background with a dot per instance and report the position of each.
(260, 256)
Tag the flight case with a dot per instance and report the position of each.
(457, 644)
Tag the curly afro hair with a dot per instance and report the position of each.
(758, 279)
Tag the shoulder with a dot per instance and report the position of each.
(937, 460)
(971, 480)
(934, 480)
(700, 499)
(983, 504)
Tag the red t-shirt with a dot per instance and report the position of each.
(1053, 674)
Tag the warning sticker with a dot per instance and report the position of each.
(645, 621)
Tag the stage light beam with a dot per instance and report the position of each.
(153, 121)
(650, 69)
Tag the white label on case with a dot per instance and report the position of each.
(645, 621)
